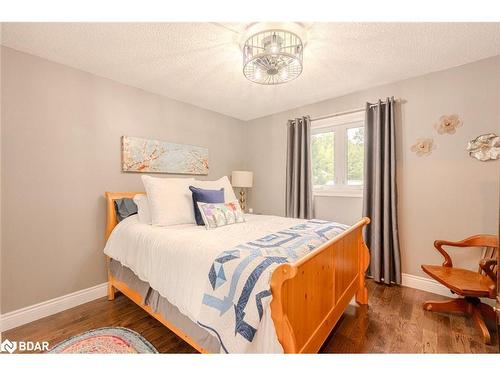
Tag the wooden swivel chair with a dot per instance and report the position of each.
(469, 285)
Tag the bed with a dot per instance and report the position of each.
(307, 296)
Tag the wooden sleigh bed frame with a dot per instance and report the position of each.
(308, 296)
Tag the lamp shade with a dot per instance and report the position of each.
(242, 179)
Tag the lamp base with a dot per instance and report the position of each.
(243, 200)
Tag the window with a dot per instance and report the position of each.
(337, 152)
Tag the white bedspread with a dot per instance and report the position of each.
(175, 261)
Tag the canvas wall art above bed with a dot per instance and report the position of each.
(155, 156)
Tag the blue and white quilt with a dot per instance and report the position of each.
(237, 292)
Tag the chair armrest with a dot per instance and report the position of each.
(487, 265)
(480, 240)
(438, 244)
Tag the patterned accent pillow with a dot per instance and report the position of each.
(220, 214)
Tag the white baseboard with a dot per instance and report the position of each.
(425, 284)
(41, 310)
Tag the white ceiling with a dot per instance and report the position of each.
(200, 63)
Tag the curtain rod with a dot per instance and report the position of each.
(352, 110)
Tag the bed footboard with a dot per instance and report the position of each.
(310, 295)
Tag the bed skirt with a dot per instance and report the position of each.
(159, 304)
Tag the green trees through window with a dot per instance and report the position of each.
(322, 154)
(355, 156)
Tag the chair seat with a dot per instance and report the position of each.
(461, 281)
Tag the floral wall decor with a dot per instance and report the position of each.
(154, 156)
(448, 124)
(485, 147)
(423, 146)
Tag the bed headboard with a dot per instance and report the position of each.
(111, 220)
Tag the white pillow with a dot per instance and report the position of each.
(222, 182)
(143, 211)
(170, 200)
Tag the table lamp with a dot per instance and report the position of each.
(242, 180)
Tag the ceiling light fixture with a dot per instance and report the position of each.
(271, 57)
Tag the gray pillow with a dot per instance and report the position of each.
(124, 208)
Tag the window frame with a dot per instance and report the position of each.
(339, 125)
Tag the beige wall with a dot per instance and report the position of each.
(61, 152)
(345, 210)
(446, 195)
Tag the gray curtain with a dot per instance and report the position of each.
(380, 199)
(298, 169)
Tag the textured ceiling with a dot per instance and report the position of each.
(200, 63)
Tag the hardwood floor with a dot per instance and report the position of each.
(394, 322)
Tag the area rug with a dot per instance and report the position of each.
(107, 340)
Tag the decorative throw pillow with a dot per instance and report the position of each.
(124, 208)
(222, 182)
(220, 214)
(205, 196)
(142, 202)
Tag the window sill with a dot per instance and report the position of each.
(339, 193)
